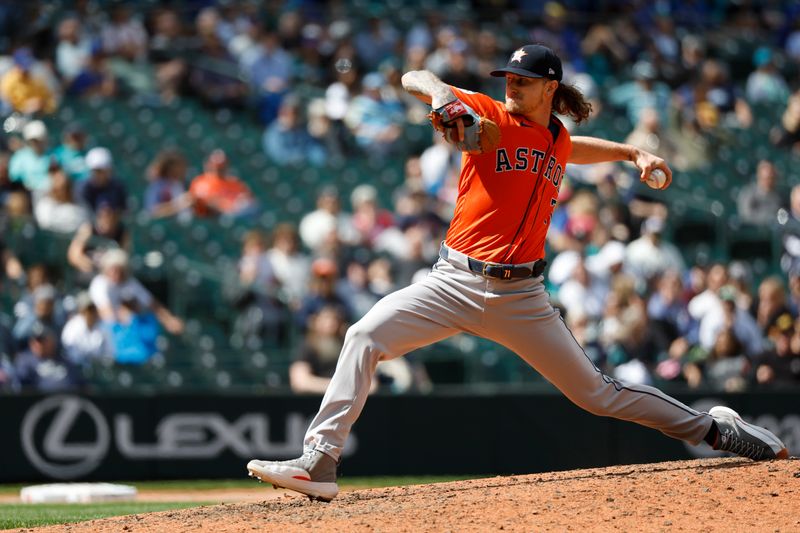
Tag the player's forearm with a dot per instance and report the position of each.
(427, 87)
(587, 150)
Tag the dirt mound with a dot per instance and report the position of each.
(704, 495)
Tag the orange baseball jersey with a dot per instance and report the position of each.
(506, 197)
(225, 194)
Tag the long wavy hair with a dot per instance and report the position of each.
(568, 100)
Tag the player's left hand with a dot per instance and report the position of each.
(647, 163)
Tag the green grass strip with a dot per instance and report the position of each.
(345, 482)
(31, 515)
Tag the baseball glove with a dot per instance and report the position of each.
(480, 134)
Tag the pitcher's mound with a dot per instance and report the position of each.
(704, 495)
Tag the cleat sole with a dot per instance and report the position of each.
(321, 491)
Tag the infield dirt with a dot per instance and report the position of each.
(702, 495)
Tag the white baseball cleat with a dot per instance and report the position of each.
(744, 439)
(312, 474)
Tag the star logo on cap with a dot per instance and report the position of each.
(517, 56)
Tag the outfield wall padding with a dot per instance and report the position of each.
(79, 437)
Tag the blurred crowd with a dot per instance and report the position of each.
(323, 81)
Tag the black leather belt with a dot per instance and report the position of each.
(500, 270)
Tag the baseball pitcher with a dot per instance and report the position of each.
(488, 280)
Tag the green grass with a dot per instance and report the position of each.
(247, 483)
(27, 515)
(31, 515)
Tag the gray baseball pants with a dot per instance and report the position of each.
(514, 313)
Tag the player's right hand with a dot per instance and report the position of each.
(455, 116)
(462, 127)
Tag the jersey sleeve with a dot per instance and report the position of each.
(483, 105)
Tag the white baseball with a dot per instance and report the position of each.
(656, 179)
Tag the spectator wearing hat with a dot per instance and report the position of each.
(779, 365)
(102, 187)
(84, 339)
(43, 367)
(376, 123)
(766, 85)
(758, 202)
(216, 192)
(71, 153)
(650, 254)
(114, 282)
(31, 164)
(286, 140)
(608, 262)
(24, 92)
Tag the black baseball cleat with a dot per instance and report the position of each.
(743, 439)
(312, 474)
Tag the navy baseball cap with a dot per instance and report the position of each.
(532, 61)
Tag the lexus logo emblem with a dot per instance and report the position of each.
(60, 458)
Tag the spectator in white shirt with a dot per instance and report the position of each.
(114, 283)
(290, 266)
(57, 211)
(729, 316)
(83, 338)
(650, 255)
(317, 226)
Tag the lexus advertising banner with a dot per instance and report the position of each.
(73, 437)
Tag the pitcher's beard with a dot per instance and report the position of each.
(512, 106)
